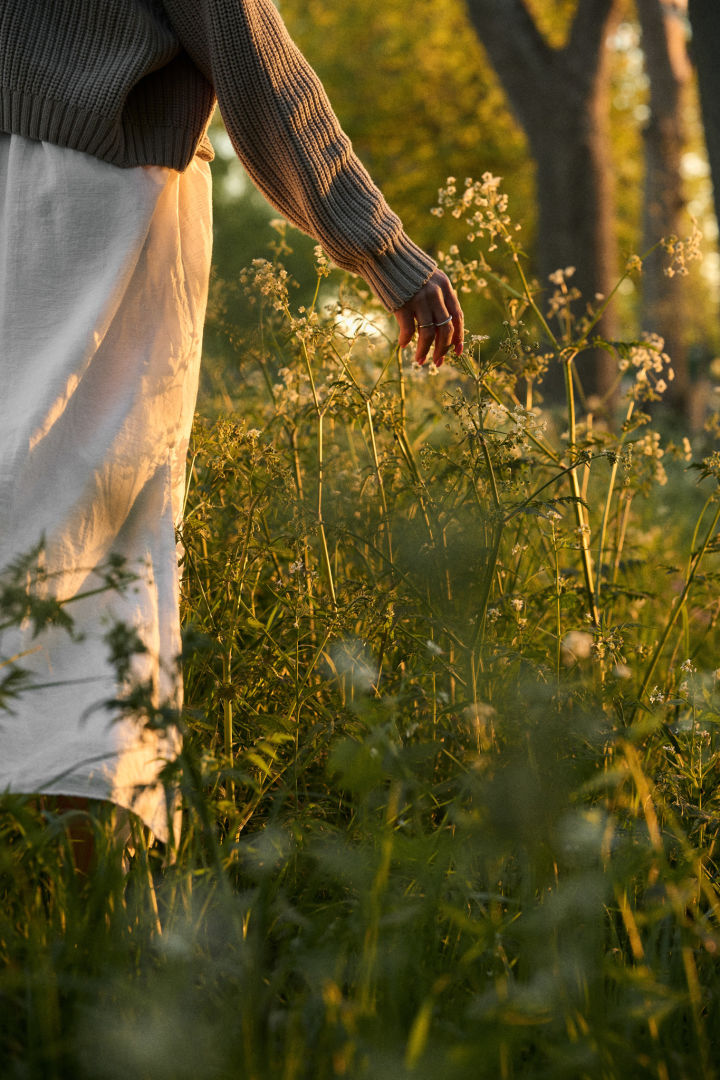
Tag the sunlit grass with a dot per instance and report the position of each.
(451, 766)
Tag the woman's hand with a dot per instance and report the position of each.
(436, 310)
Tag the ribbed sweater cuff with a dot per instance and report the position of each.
(398, 272)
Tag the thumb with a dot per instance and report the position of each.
(406, 322)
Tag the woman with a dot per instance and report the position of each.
(105, 236)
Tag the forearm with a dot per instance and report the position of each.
(285, 132)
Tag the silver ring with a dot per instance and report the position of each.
(445, 322)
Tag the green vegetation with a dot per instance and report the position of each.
(451, 751)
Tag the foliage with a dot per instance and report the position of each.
(450, 762)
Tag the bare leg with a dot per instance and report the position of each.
(80, 832)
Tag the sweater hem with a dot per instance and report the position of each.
(118, 143)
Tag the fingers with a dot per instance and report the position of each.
(407, 327)
(441, 339)
(436, 310)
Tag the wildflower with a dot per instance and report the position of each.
(652, 369)
(268, 280)
(656, 696)
(483, 201)
(559, 277)
(576, 645)
(688, 667)
(494, 415)
(682, 252)
(518, 603)
(648, 447)
(322, 263)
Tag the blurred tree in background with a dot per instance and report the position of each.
(664, 310)
(606, 156)
(560, 95)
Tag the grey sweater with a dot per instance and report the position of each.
(134, 82)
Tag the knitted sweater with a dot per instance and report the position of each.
(134, 82)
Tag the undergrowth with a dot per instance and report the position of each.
(450, 759)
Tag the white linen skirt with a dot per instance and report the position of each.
(103, 287)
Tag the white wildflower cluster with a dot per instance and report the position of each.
(466, 275)
(633, 265)
(306, 325)
(483, 205)
(280, 246)
(528, 421)
(651, 368)
(323, 266)
(522, 350)
(686, 671)
(682, 252)
(494, 416)
(511, 426)
(268, 280)
(292, 392)
(563, 296)
(575, 646)
(428, 369)
(644, 456)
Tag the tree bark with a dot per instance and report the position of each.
(668, 67)
(705, 22)
(560, 97)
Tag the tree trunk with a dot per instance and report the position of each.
(668, 69)
(705, 22)
(560, 98)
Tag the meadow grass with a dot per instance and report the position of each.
(450, 763)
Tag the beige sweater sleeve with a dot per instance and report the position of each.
(285, 133)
